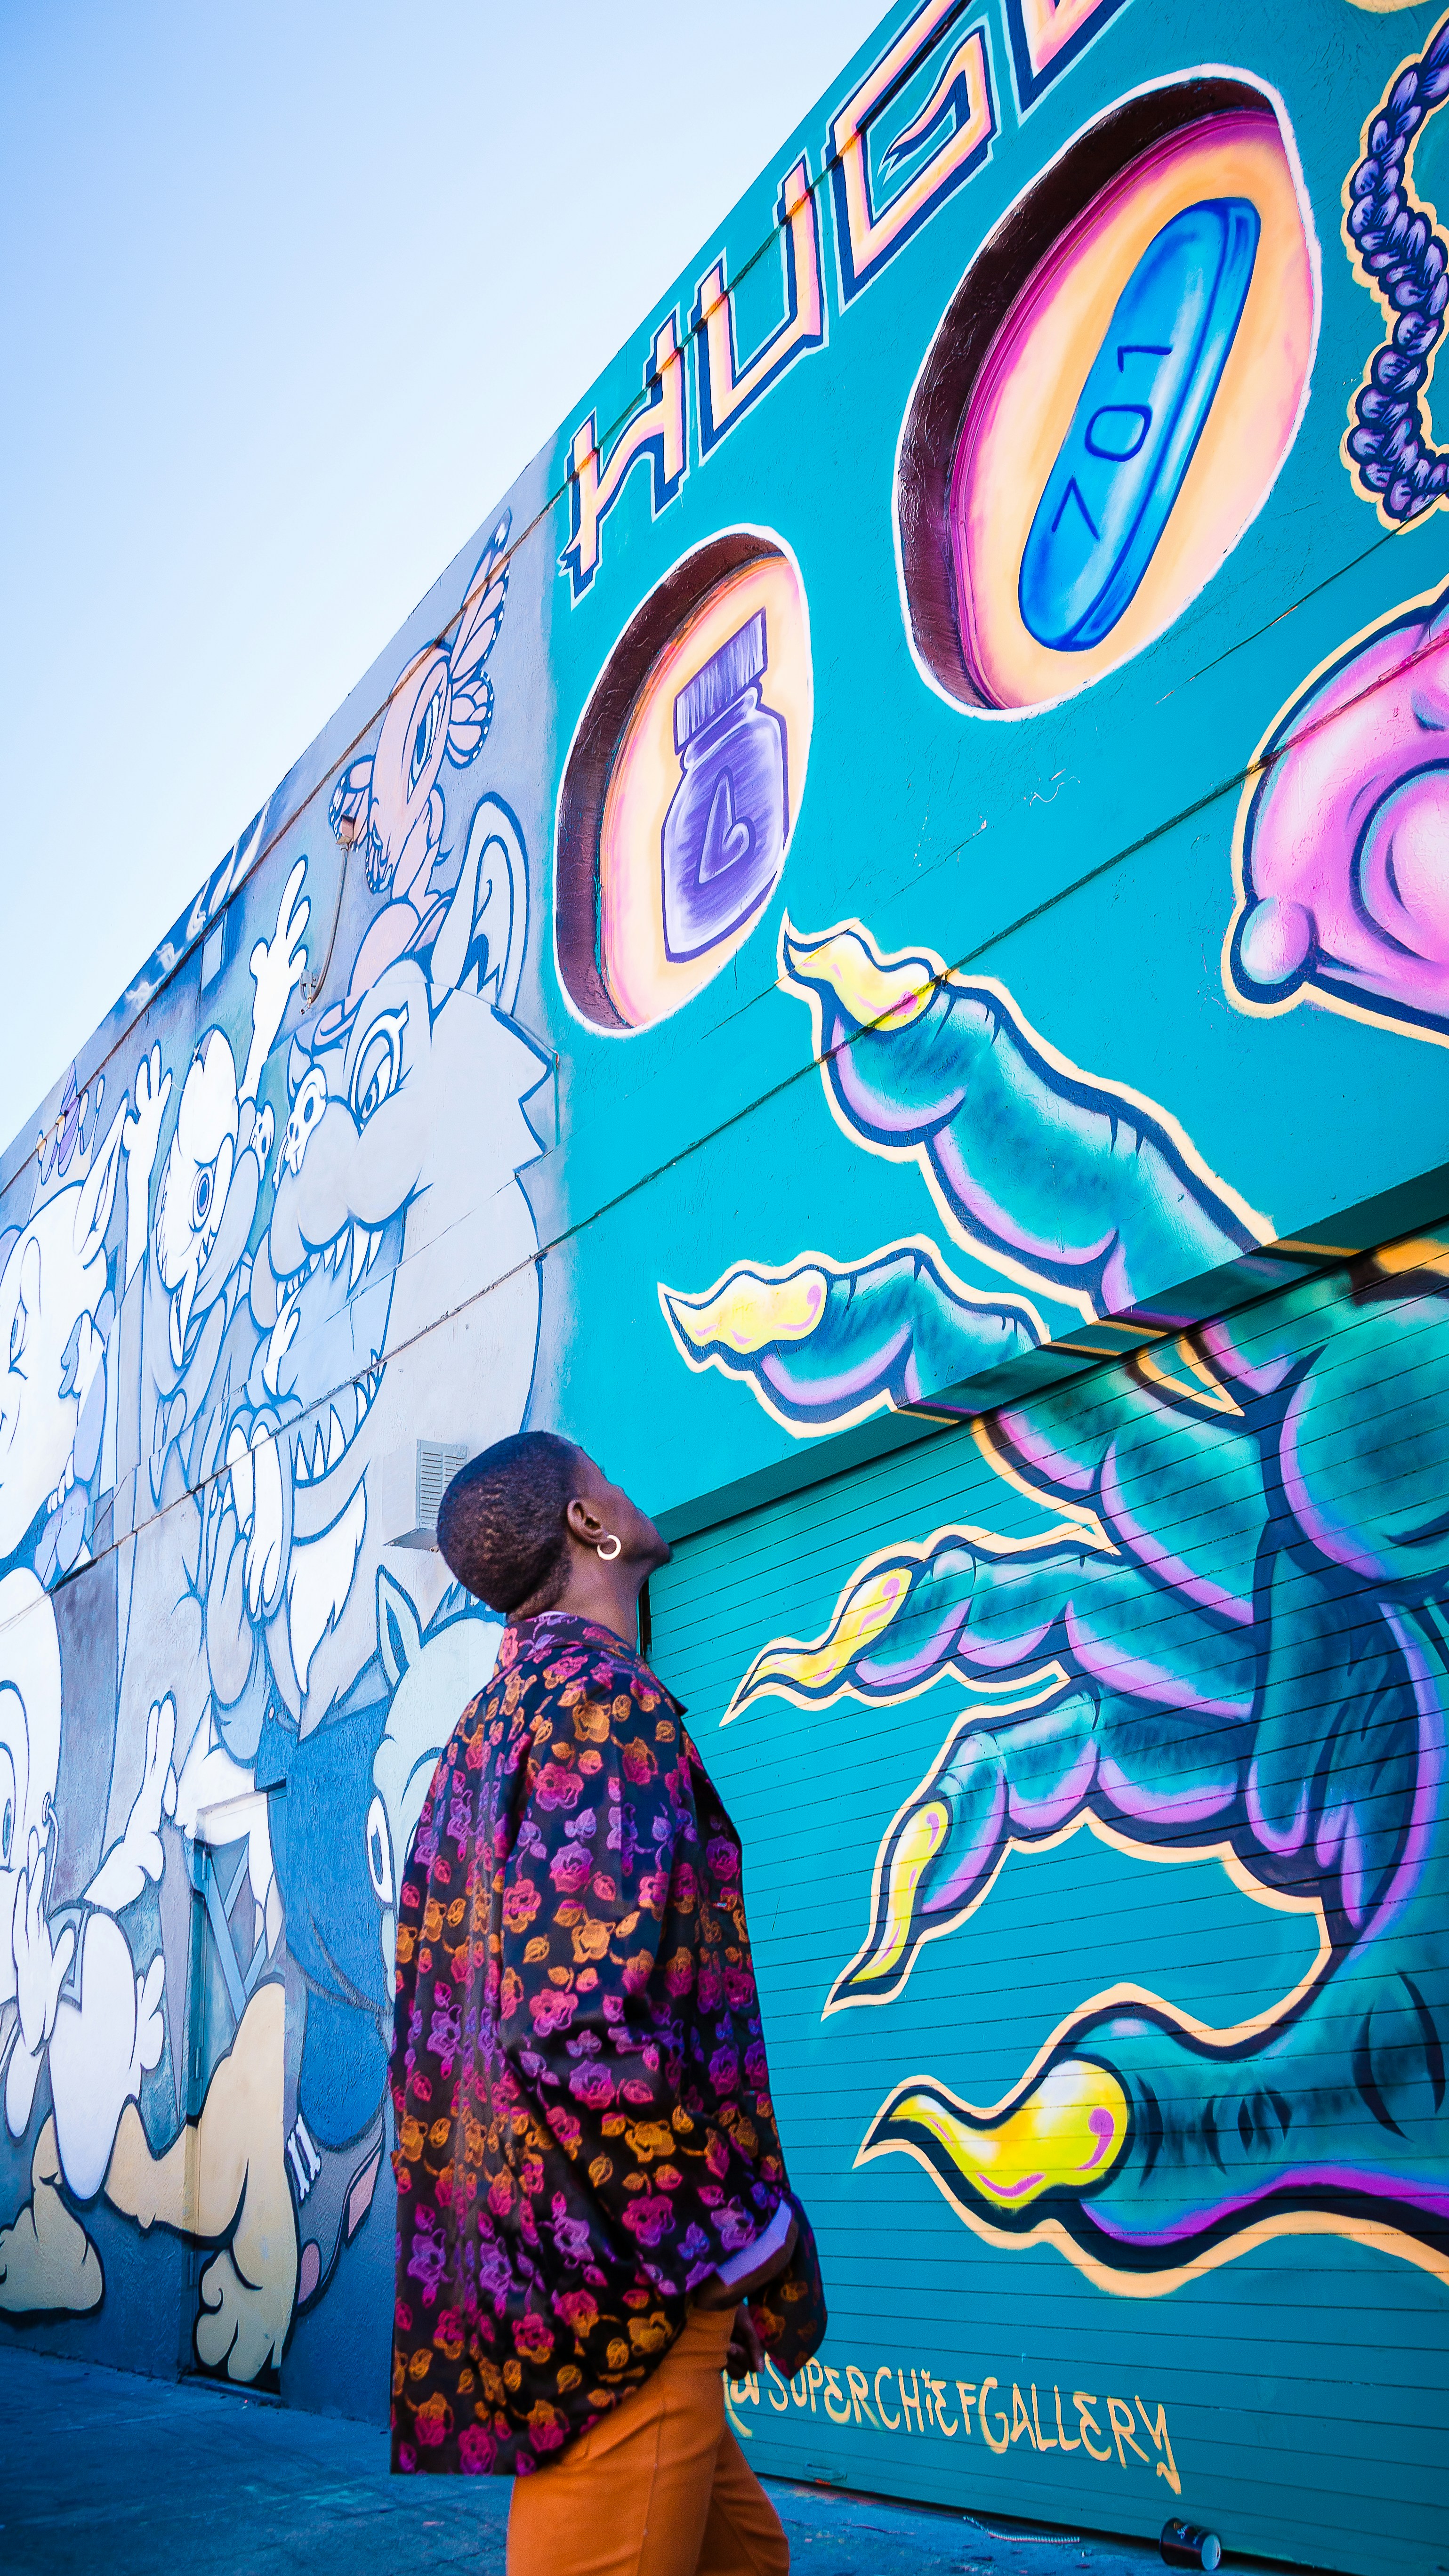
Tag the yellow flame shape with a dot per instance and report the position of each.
(920, 1841)
(868, 1611)
(1421, 1252)
(1069, 2131)
(870, 992)
(1192, 1377)
(747, 1313)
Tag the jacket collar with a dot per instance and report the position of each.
(592, 1632)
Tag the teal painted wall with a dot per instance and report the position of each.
(711, 1067)
(1087, 1897)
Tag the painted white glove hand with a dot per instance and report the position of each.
(138, 1856)
(40, 1963)
(277, 967)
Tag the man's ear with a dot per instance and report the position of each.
(582, 1521)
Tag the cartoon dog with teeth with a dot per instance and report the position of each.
(181, 1325)
(262, 1370)
(384, 1155)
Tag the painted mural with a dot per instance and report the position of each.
(1232, 1635)
(201, 1311)
(973, 666)
(1341, 895)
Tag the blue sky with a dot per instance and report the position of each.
(291, 293)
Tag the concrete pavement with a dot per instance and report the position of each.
(106, 2474)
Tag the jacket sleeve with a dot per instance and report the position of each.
(590, 2011)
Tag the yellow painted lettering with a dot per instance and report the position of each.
(892, 2423)
(987, 2386)
(1048, 27)
(938, 2391)
(860, 2392)
(726, 388)
(909, 2398)
(1084, 2401)
(656, 432)
(1072, 2445)
(1044, 2441)
(773, 2381)
(1157, 2434)
(814, 2377)
(959, 111)
(837, 2404)
(1020, 2420)
(966, 2391)
(1122, 2426)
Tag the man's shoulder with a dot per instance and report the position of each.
(577, 1658)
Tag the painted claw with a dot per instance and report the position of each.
(811, 1674)
(903, 1621)
(748, 1311)
(842, 965)
(823, 1343)
(1008, 1771)
(1060, 1177)
(1066, 2135)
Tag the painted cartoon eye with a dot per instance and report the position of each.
(19, 1329)
(203, 1192)
(425, 732)
(379, 1852)
(8, 1807)
(378, 1069)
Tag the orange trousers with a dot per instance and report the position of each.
(658, 2488)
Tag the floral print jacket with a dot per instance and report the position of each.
(582, 2104)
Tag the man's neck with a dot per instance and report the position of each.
(605, 1599)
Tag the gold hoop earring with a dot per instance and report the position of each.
(614, 1548)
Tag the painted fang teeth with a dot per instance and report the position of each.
(356, 1244)
(365, 1240)
(332, 1440)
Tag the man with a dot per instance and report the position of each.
(593, 2213)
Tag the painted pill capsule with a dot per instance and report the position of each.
(1111, 492)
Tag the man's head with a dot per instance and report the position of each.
(522, 1526)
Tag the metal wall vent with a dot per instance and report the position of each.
(438, 1463)
(219, 947)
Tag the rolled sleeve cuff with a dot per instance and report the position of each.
(759, 2250)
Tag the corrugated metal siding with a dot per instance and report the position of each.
(1304, 2379)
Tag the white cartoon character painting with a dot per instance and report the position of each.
(216, 1347)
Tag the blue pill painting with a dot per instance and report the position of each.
(1098, 420)
(1137, 424)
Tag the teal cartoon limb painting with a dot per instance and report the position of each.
(1068, 1184)
(1273, 1687)
(1268, 1681)
(823, 1343)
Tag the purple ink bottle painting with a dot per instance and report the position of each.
(724, 834)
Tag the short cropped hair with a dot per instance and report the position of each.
(501, 1523)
